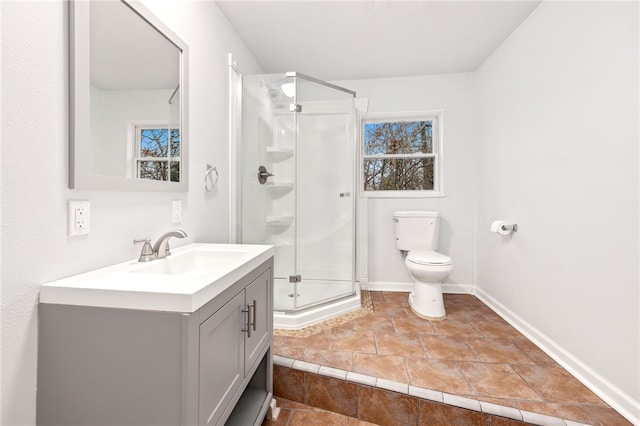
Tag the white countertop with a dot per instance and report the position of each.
(196, 274)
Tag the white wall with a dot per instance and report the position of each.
(557, 141)
(452, 93)
(35, 136)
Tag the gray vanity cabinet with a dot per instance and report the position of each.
(106, 366)
(222, 371)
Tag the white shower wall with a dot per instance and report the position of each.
(306, 209)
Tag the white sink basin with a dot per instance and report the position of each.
(196, 262)
(182, 282)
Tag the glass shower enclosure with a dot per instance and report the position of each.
(298, 183)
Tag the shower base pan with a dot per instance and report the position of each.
(289, 320)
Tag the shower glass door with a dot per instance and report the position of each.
(298, 185)
(324, 190)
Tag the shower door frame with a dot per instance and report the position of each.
(235, 169)
(354, 205)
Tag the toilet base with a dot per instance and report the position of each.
(426, 301)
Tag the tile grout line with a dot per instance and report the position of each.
(528, 384)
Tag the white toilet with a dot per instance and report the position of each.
(417, 237)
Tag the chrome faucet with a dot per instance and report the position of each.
(161, 247)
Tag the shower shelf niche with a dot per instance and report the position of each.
(278, 153)
(278, 189)
(279, 223)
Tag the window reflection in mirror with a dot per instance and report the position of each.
(128, 99)
(134, 73)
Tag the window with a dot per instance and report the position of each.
(402, 154)
(156, 152)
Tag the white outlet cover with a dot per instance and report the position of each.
(78, 217)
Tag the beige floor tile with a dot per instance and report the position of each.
(335, 359)
(353, 340)
(390, 367)
(375, 323)
(447, 347)
(439, 375)
(534, 353)
(454, 327)
(556, 385)
(399, 344)
(497, 330)
(294, 352)
(404, 324)
(576, 412)
(315, 341)
(316, 418)
(497, 380)
(498, 351)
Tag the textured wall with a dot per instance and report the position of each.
(35, 136)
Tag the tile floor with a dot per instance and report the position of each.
(473, 353)
(296, 414)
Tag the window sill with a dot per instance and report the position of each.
(402, 194)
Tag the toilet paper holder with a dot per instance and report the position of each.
(512, 227)
(504, 227)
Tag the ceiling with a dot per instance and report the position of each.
(357, 39)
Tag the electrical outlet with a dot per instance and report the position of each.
(176, 212)
(78, 217)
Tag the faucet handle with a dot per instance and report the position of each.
(146, 254)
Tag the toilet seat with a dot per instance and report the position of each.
(428, 257)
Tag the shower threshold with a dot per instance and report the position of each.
(315, 314)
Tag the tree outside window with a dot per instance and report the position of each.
(158, 153)
(401, 154)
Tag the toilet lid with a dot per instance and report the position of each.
(428, 258)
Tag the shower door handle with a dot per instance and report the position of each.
(263, 174)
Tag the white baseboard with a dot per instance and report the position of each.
(612, 395)
(405, 286)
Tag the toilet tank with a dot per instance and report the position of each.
(417, 230)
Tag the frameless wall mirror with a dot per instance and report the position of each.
(128, 99)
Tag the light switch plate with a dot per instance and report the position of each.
(78, 217)
(176, 212)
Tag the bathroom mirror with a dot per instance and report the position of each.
(128, 99)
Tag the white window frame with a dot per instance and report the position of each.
(133, 149)
(383, 117)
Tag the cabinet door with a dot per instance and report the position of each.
(221, 359)
(259, 293)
